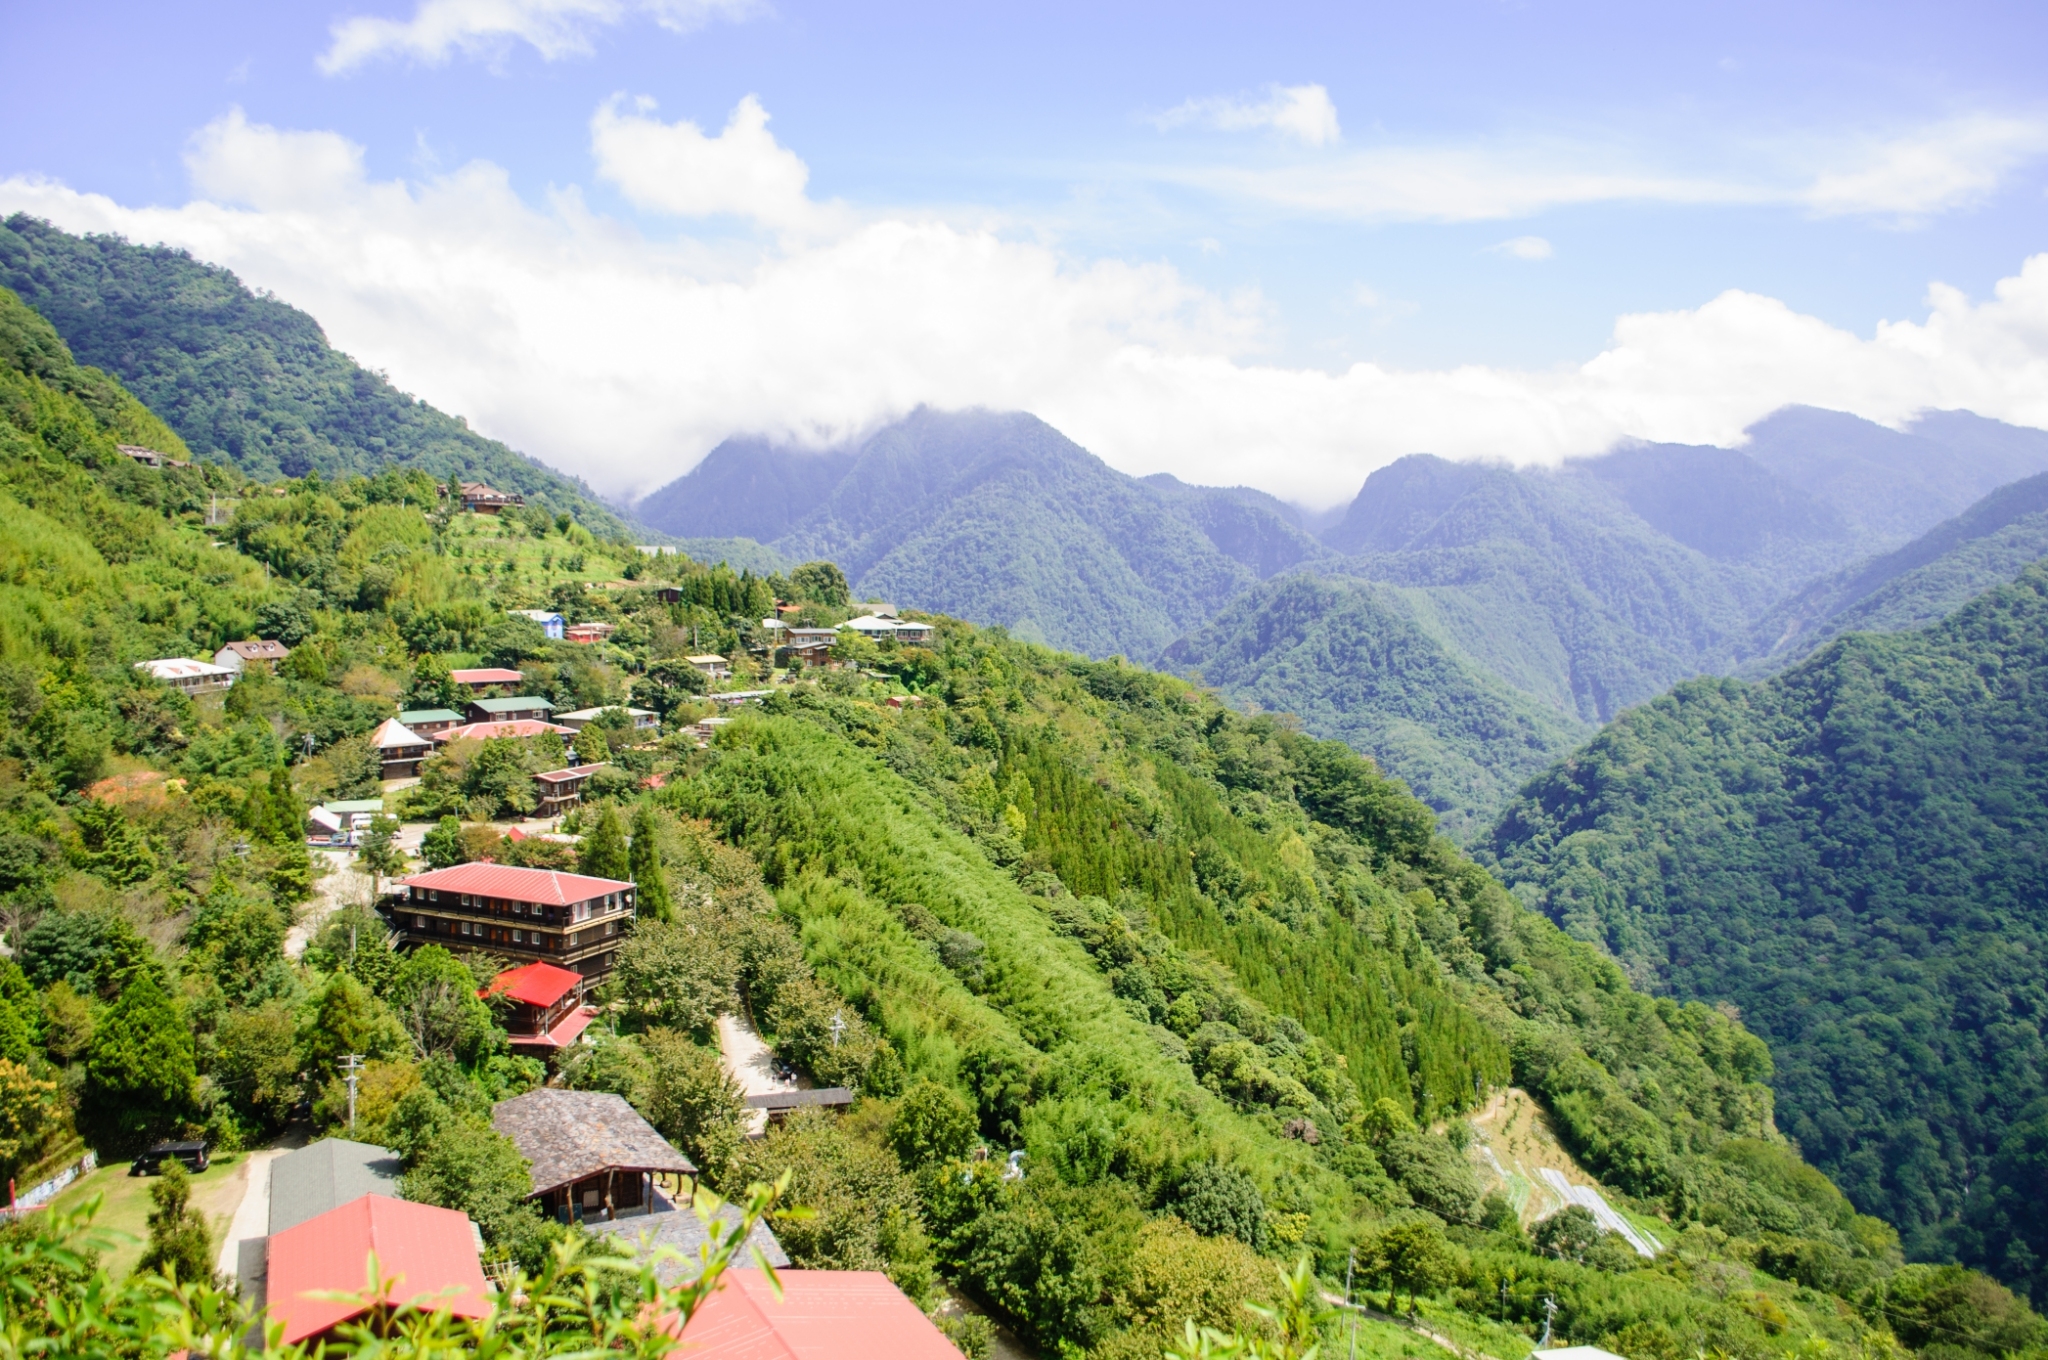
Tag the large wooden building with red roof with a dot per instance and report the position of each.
(545, 1012)
(570, 920)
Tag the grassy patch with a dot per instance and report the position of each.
(124, 1208)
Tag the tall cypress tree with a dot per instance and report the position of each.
(649, 880)
(604, 847)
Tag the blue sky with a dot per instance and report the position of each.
(1462, 198)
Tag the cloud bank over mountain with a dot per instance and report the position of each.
(624, 355)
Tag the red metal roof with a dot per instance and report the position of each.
(546, 886)
(425, 1256)
(515, 727)
(573, 772)
(562, 1035)
(537, 984)
(822, 1315)
(485, 675)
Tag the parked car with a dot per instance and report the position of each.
(193, 1155)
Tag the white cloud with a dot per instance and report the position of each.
(1522, 248)
(675, 168)
(580, 340)
(440, 29)
(1900, 175)
(1303, 112)
(1949, 165)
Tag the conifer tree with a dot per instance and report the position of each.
(650, 881)
(604, 848)
(139, 1069)
(179, 1244)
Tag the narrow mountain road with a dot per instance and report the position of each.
(752, 1064)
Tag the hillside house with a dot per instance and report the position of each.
(591, 1153)
(571, 920)
(588, 633)
(486, 731)
(322, 1176)
(239, 656)
(316, 1268)
(800, 637)
(884, 626)
(561, 790)
(400, 749)
(807, 655)
(550, 622)
(544, 1007)
(192, 677)
(780, 1105)
(155, 458)
(428, 721)
(717, 667)
(644, 720)
(488, 500)
(485, 679)
(340, 822)
(515, 708)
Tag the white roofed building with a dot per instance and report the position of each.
(193, 677)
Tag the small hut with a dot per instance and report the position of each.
(592, 1155)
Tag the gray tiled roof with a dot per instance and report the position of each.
(679, 1229)
(568, 1135)
(326, 1175)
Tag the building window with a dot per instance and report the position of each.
(519, 937)
(419, 923)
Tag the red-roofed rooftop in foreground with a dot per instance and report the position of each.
(427, 1257)
(822, 1315)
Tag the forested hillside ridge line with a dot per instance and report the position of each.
(1352, 661)
(1851, 854)
(1217, 980)
(998, 518)
(249, 380)
(1917, 585)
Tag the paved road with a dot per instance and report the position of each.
(752, 1064)
(252, 1216)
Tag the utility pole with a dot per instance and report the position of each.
(838, 1026)
(1549, 1312)
(354, 1063)
(1351, 1264)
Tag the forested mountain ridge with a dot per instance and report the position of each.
(1210, 975)
(247, 379)
(1852, 853)
(999, 518)
(1917, 585)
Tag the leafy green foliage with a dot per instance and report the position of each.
(139, 1070)
(179, 1244)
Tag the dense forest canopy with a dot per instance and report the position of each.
(1852, 854)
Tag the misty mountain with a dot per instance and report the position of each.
(246, 379)
(1917, 585)
(999, 518)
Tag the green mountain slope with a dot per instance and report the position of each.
(1214, 978)
(1351, 660)
(1853, 854)
(1919, 584)
(246, 379)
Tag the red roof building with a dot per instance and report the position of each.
(570, 920)
(546, 1014)
(822, 1315)
(484, 676)
(485, 731)
(426, 1258)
